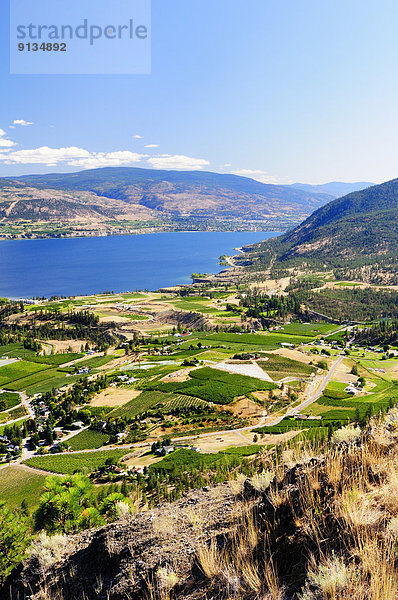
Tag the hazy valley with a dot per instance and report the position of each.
(131, 200)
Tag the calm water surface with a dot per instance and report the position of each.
(123, 263)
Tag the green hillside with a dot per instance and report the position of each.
(356, 235)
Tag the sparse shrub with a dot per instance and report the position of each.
(261, 481)
(166, 578)
(122, 509)
(48, 549)
(328, 580)
(392, 528)
(348, 435)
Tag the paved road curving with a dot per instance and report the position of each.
(314, 395)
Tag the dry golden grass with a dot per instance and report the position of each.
(114, 397)
(341, 506)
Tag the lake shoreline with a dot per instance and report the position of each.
(139, 231)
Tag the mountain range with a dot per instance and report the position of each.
(113, 199)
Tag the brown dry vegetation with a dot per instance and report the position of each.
(114, 397)
(326, 529)
(320, 525)
(294, 355)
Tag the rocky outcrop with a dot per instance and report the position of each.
(120, 560)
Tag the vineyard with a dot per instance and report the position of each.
(182, 402)
(69, 463)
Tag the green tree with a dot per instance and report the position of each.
(14, 539)
(63, 501)
(109, 505)
(90, 517)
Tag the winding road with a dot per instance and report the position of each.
(313, 395)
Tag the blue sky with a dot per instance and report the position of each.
(281, 90)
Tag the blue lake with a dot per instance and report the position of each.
(122, 263)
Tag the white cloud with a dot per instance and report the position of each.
(73, 156)
(22, 122)
(166, 161)
(137, 137)
(108, 159)
(227, 165)
(152, 146)
(4, 142)
(262, 176)
(45, 155)
(80, 157)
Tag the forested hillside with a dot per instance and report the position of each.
(355, 235)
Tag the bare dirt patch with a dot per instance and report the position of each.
(114, 319)
(294, 355)
(218, 442)
(177, 376)
(140, 459)
(114, 397)
(251, 370)
(237, 439)
(394, 368)
(247, 408)
(342, 374)
(262, 396)
(60, 346)
(272, 285)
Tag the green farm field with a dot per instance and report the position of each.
(13, 414)
(67, 464)
(279, 367)
(335, 404)
(42, 381)
(17, 484)
(181, 401)
(91, 363)
(202, 305)
(213, 385)
(12, 373)
(88, 440)
(308, 329)
(184, 460)
(11, 399)
(145, 401)
(18, 351)
(246, 342)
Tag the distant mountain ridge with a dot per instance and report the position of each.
(333, 188)
(115, 198)
(357, 234)
(127, 183)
